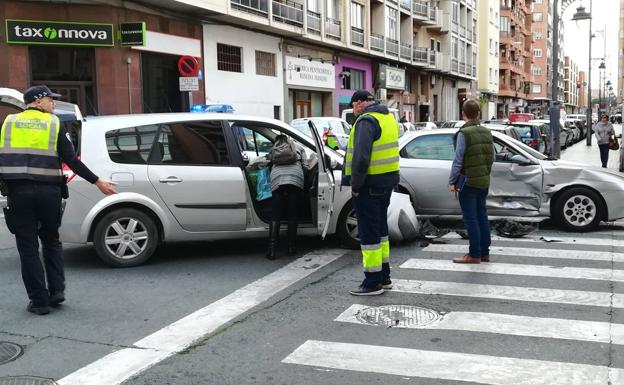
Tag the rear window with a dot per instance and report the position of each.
(131, 145)
(524, 132)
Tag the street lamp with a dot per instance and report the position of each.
(582, 15)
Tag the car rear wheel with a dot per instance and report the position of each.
(578, 209)
(125, 237)
(347, 227)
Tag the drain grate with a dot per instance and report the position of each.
(9, 351)
(26, 380)
(398, 316)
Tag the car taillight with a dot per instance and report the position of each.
(533, 143)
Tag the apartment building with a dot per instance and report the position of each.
(571, 85)
(541, 51)
(515, 56)
(488, 63)
(620, 86)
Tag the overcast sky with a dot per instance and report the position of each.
(576, 38)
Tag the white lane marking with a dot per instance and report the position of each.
(117, 367)
(513, 293)
(483, 369)
(516, 325)
(536, 253)
(581, 240)
(516, 269)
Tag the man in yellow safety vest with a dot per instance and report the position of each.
(372, 170)
(32, 146)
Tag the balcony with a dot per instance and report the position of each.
(474, 71)
(462, 31)
(332, 28)
(433, 59)
(454, 26)
(420, 9)
(314, 22)
(288, 12)
(392, 47)
(433, 15)
(357, 36)
(462, 68)
(419, 56)
(257, 7)
(454, 65)
(442, 21)
(406, 51)
(377, 42)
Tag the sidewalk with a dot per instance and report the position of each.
(589, 155)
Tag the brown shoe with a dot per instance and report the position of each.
(485, 258)
(466, 258)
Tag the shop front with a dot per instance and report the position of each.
(352, 74)
(105, 59)
(310, 83)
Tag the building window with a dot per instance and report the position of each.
(491, 46)
(538, 35)
(391, 23)
(537, 52)
(354, 80)
(538, 16)
(491, 76)
(313, 6)
(357, 10)
(536, 88)
(504, 24)
(229, 58)
(265, 63)
(537, 1)
(537, 70)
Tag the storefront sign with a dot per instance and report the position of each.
(391, 77)
(132, 34)
(303, 72)
(189, 84)
(58, 33)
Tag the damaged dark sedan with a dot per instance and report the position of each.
(526, 185)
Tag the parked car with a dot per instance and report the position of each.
(188, 176)
(565, 137)
(425, 125)
(534, 135)
(580, 124)
(574, 130)
(525, 183)
(334, 130)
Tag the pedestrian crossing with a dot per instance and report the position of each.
(554, 262)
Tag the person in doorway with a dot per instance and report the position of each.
(287, 181)
(603, 131)
(470, 179)
(32, 146)
(372, 170)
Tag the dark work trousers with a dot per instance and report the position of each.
(371, 209)
(472, 202)
(34, 212)
(288, 196)
(604, 154)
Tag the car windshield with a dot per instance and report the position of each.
(523, 131)
(525, 148)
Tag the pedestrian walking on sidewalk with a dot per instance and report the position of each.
(287, 181)
(470, 179)
(32, 146)
(603, 131)
(372, 171)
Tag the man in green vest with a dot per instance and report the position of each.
(372, 170)
(470, 179)
(32, 146)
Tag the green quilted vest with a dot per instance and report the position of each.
(478, 157)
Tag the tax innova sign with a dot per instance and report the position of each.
(59, 33)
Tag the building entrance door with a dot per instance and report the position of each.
(303, 109)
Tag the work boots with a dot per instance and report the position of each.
(292, 237)
(274, 228)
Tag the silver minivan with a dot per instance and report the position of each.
(191, 176)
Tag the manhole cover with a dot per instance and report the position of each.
(398, 316)
(9, 351)
(26, 380)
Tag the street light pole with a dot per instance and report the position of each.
(582, 15)
(553, 114)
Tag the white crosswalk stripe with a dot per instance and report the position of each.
(517, 269)
(535, 252)
(493, 367)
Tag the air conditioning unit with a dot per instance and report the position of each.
(380, 94)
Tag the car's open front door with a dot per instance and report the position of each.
(326, 185)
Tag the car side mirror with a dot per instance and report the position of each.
(521, 160)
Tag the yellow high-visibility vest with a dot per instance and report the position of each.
(385, 152)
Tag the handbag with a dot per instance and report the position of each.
(613, 143)
(263, 184)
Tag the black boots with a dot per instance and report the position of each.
(292, 237)
(274, 228)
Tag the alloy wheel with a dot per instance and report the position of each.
(126, 238)
(579, 210)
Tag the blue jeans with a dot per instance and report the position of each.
(472, 202)
(604, 154)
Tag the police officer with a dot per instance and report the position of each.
(372, 171)
(32, 146)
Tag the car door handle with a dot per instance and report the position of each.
(170, 179)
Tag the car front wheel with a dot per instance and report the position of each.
(578, 209)
(125, 237)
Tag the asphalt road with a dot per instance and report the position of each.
(285, 330)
